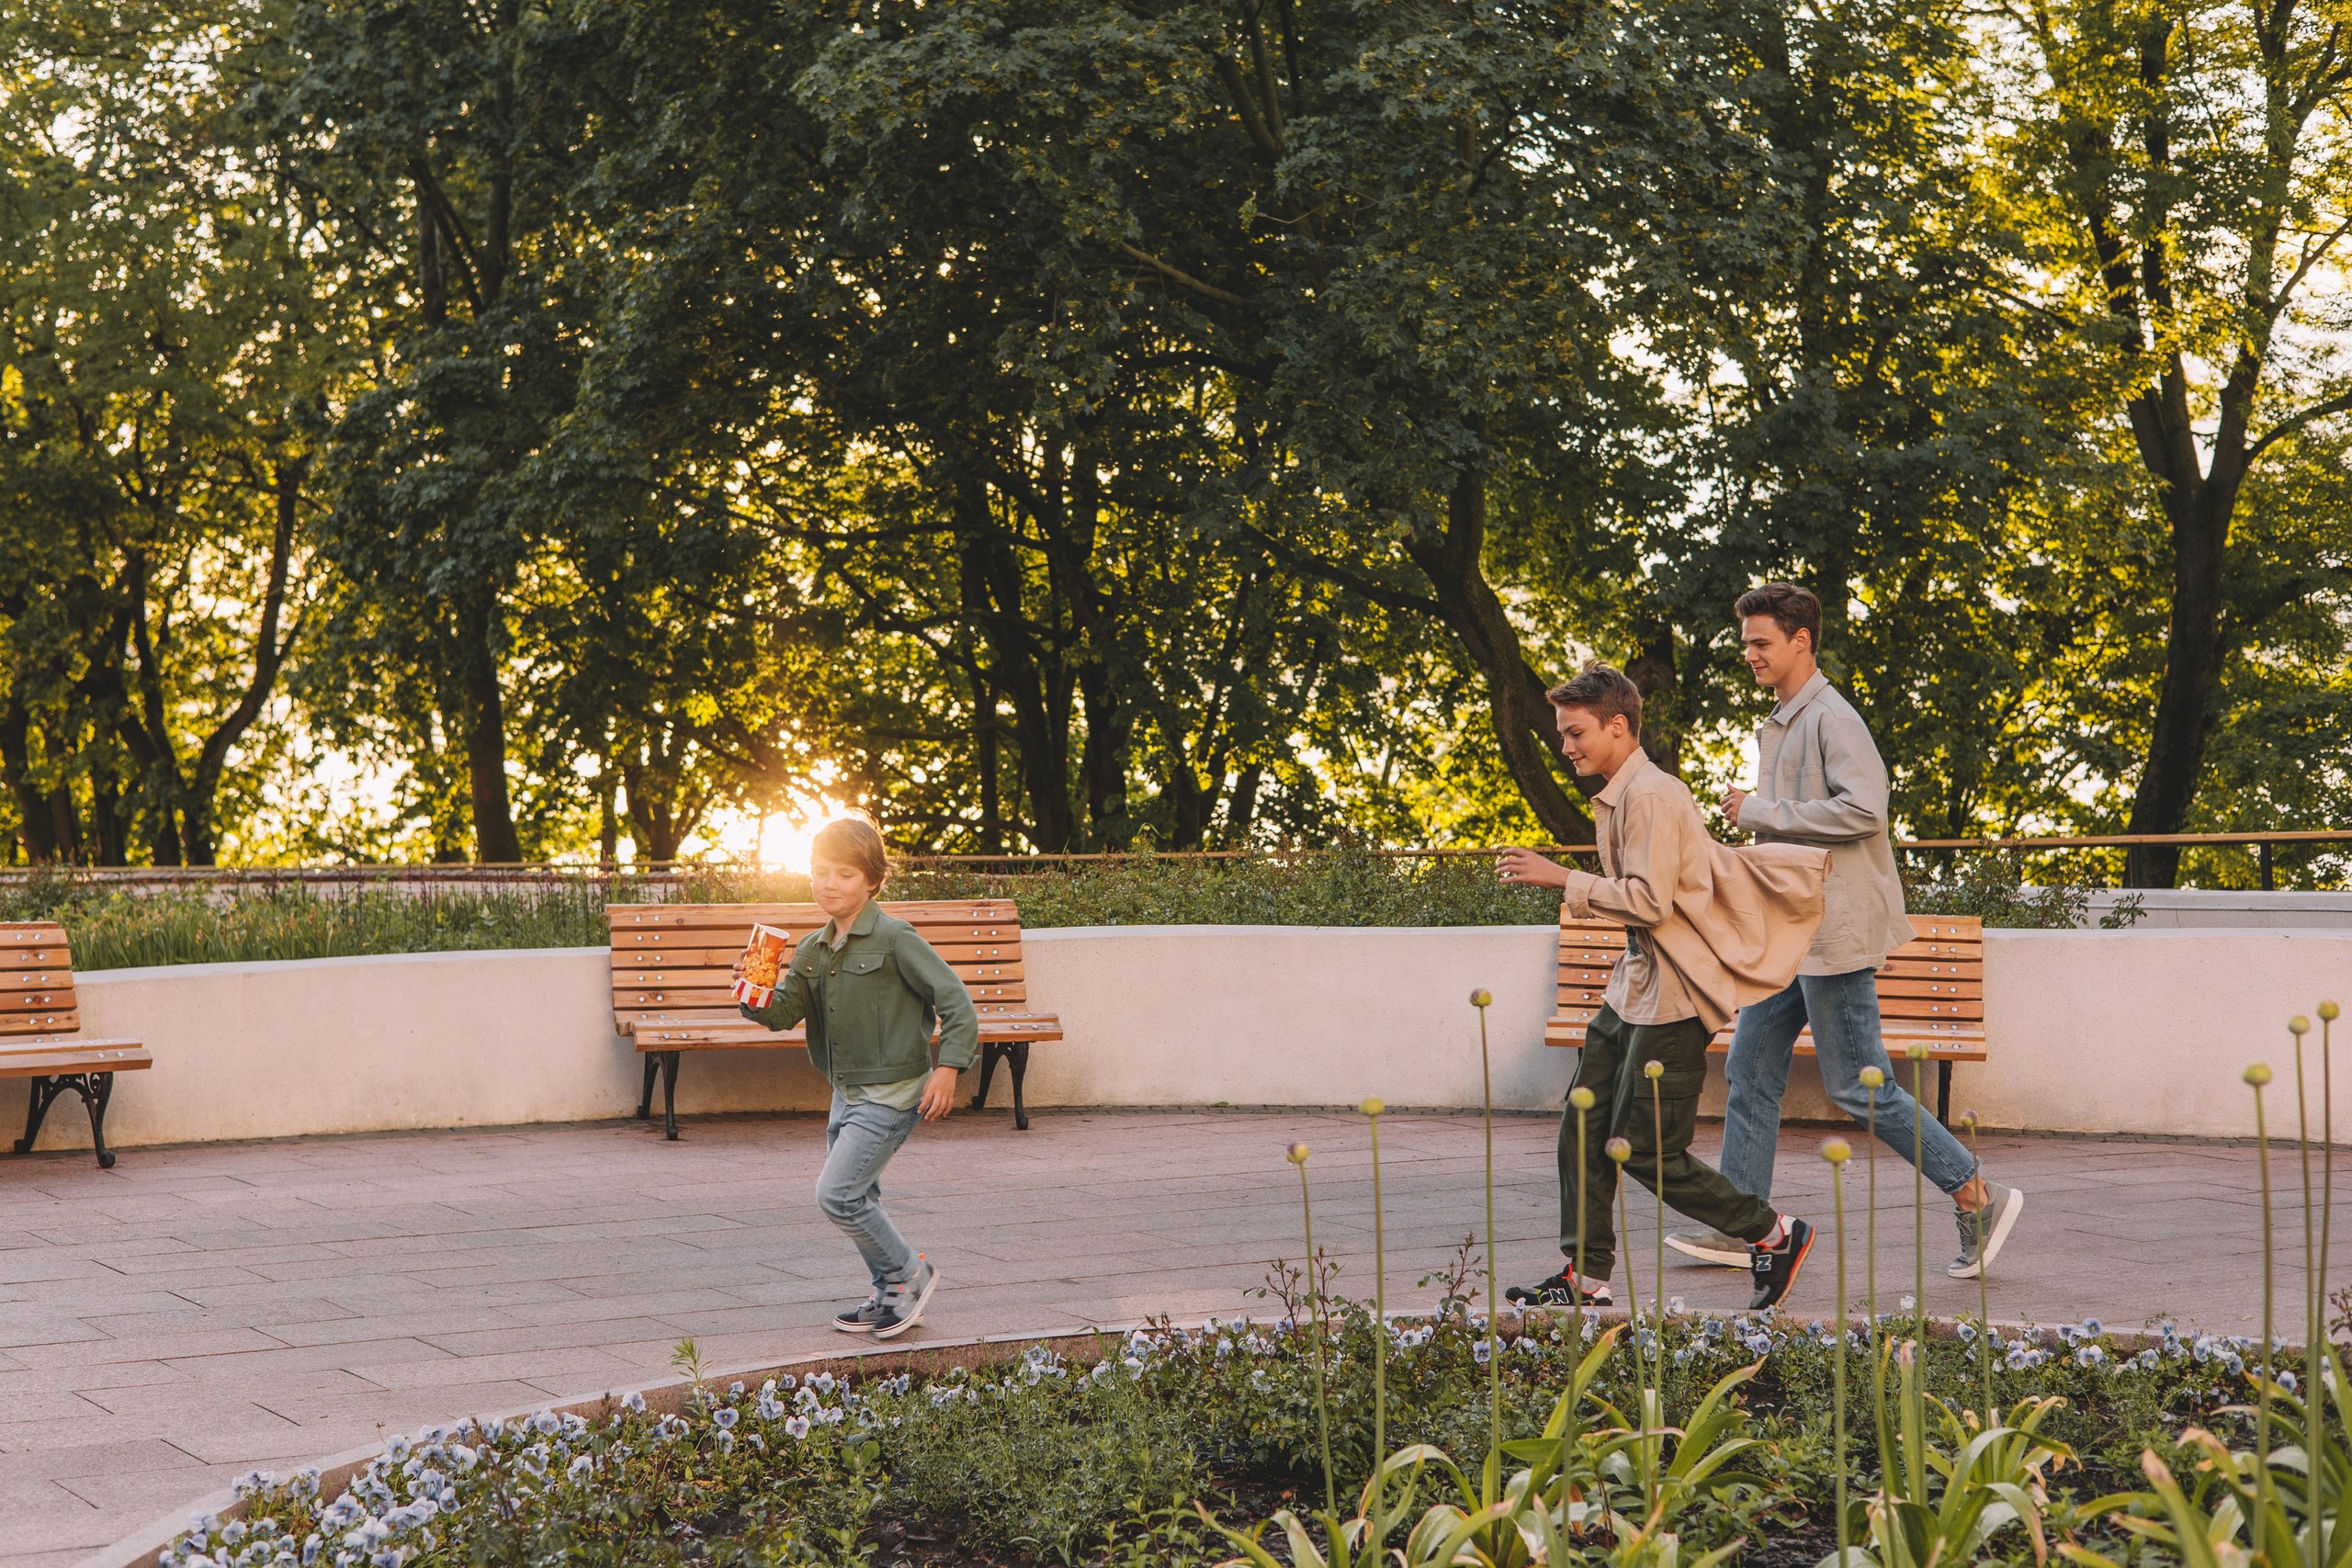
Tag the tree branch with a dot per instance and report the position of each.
(1182, 278)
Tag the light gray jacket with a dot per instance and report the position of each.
(1820, 780)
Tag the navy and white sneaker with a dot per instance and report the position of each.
(902, 1303)
(1560, 1291)
(1775, 1268)
(860, 1319)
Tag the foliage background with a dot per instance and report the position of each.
(1174, 424)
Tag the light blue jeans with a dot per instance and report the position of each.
(1843, 1011)
(859, 1141)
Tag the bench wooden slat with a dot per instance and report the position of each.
(68, 1059)
(31, 933)
(914, 911)
(43, 1022)
(16, 981)
(996, 951)
(18, 959)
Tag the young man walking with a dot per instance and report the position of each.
(1820, 780)
(1707, 929)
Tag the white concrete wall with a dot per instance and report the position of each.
(2200, 907)
(2141, 1031)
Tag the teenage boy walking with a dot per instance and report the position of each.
(1820, 780)
(1707, 929)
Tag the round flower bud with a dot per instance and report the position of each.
(1481, 998)
(2330, 1012)
(1581, 1097)
(1916, 1050)
(1372, 1107)
(1618, 1149)
(1968, 1120)
(1872, 1077)
(1296, 1154)
(1837, 1151)
(2257, 1073)
(2299, 1024)
(1654, 1069)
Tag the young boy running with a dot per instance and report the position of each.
(871, 989)
(1707, 929)
(1820, 780)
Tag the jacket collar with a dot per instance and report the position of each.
(1796, 704)
(1614, 790)
(864, 925)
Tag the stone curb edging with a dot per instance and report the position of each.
(668, 1396)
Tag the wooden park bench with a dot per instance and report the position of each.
(672, 971)
(40, 1035)
(1932, 992)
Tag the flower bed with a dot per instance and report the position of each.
(1140, 1456)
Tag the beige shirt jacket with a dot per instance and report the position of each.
(1819, 781)
(1709, 929)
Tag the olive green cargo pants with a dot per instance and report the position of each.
(1610, 1066)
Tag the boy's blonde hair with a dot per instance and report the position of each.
(854, 842)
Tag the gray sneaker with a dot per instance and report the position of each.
(860, 1319)
(1983, 1232)
(902, 1303)
(1711, 1247)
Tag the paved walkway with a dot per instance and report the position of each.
(199, 1311)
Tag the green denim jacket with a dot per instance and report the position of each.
(870, 1003)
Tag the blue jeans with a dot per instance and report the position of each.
(859, 1141)
(1843, 1011)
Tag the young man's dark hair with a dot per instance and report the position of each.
(1793, 609)
(1603, 692)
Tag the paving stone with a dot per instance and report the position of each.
(201, 1311)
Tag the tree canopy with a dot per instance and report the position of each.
(1093, 423)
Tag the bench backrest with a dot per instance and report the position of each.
(36, 980)
(678, 958)
(1934, 982)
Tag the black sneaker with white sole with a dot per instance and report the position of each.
(859, 1318)
(1559, 1290)
(1775, 1268)
(902, 1303)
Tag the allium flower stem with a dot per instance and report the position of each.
(2259, 1075)
(1314, 1322)
(1480, 1000)
(1372, 1110)
(1837, 1152)
(1656, 1071)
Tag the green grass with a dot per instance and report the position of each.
(113, 929)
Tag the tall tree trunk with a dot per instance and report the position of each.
(1037, 690)
(1110, 733)
(203, 789)
(1523, 720)
(34, 828)
(496, 841)
(2192, 679)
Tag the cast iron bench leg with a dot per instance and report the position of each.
(645, 1101)
(1020, 1054)
(989, 1054)
(96, 1089)
(670, 1094)
(1943, 1092)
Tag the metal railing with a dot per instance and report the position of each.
(456, 876)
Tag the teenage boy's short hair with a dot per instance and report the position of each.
(854, 842)
(1793, 609)
(1602, 691)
